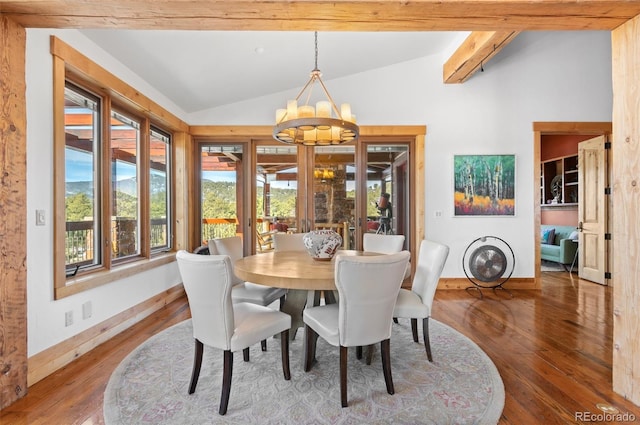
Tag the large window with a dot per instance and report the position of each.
(117, 186)
(118, 160)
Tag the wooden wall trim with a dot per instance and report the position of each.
(588, 127)
(626, 197)
(264, 131)
(13, 211)
(75, 285)
(325, 15)
(184, 178)
(93, 73)
(516, 283)
(53, 358)
(474, 52)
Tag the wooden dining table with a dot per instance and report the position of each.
(296, 271)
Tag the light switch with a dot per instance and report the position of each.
(40, 218)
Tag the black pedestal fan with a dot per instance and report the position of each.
(488, 262)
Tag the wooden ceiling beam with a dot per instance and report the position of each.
(324, 15)
(476, 50)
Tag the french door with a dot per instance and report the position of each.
(256, 188)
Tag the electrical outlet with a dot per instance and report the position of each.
(438, 213)
(68, 318)
(86, 310)
(40, 218)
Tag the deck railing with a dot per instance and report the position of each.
(80, 246)
(218, 228)
(79, 241)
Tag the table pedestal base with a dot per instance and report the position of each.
(296, 301)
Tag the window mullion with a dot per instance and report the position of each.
(106, 194)
(143, 189)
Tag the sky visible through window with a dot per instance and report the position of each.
(79, 167)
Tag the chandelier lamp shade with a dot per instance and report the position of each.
(324, 173)
(319, 124)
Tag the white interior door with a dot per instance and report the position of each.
(592, 209)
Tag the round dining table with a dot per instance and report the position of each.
(296, 271)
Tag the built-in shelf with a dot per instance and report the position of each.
(567, 206)
(567, 168)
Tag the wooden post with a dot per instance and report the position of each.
(13, 204)
(626, 201)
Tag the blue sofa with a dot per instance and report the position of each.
(563, 249)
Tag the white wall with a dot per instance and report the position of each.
(46, 317)
(541, 76)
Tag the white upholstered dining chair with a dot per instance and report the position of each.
(417, 303)
(220, 323)
(288, 242)
(368, 287)
(385, 244)
(244, 291)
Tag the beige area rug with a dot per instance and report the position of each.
(461, 386)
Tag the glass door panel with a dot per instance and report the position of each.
(388, 188)
(276, 199)
(334, 191)
(221, 188)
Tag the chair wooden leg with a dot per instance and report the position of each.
(284, 346)
(197, 364)
(263, 345)
(226, 381)
(425, 333)
(282, 300)
(370, 349)
(310, 338)
(343, 375)
(359, 352)
(386, 364)
(414, 329)
(245, 354)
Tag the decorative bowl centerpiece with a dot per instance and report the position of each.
(322, 244)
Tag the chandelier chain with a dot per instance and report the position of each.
(316, 44)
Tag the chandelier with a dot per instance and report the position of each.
(324, 173)
(309, 125)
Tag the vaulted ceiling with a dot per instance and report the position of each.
(246, 48)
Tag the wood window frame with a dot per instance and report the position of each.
(70, 65)
(413, 135)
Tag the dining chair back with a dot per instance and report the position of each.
(340, 228)
(245, 291)
(231, 246)
(220, 323)
(368, 288)
(417, 302)
(384, 244)
(288, 242)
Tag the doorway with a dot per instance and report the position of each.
(561, 207)
(272, 184)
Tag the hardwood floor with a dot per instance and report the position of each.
(552, 347)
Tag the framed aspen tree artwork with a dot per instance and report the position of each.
(484, 185)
